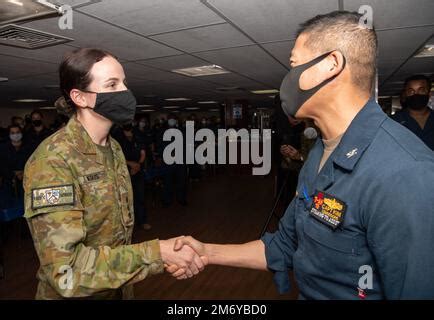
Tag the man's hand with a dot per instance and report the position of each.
(180, 259)
(134, 167)
(290, 152)
(187, 242)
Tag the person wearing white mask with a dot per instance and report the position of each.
(13, 157)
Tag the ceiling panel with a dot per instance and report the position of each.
(417, 66)
(50, 54)
(401, 43)
(139, 71)
(175, 62)
(205, 38)
(13, 67)
(396, 13)
(88, 32)
(154, 16)
(270, 20)
(250, 61)
(280, 50)
(231, 80)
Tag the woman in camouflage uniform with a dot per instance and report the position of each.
(78, 195)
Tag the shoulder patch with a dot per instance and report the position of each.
(53, 196)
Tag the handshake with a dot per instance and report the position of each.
(183, 257)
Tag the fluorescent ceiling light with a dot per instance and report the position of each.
(213, 110)
(20, 10)
(29, 100)
(144, 105)
(228, 88)
(177, 99)
(47, 108)
(192, 108)
(426, 51)
(201, 71)
(207, 102)
(271, 91)
(3, 79)
(171, 107)
(147, 110)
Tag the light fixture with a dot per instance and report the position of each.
(201, 71)
(426, 51)
(3, 79)
(171, 107)
(177, 99)
(228, 88)
(192, 108)
(29, 100)
(144, 105)
(147, 110)
(20, 10)
(207, 102)
(47, 108)
(270, 91)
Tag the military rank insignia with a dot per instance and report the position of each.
(53, 196)
(328, 209)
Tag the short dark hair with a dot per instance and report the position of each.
(419, 77)
(74, 70)
(14, 126)
(36, 112)
(342, 30)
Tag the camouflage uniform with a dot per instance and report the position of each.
(80, 213)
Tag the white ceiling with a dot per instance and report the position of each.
(250, 38)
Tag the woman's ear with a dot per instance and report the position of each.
(78, 98)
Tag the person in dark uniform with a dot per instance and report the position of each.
(174, 176)
(135, 156)
(361, 224)
(37, 132)
(416, 115)
(13, 158)
(145, 138)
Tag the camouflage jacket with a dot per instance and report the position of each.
(80, 215)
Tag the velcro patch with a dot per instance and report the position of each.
(53, 196)
(328, 209)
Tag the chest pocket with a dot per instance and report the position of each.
(98, 197)
(324, 238)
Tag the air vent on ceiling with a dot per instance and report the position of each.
(22, 37)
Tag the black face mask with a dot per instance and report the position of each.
(416, 101)
(291, 95)
(119, 107)
(37, 123)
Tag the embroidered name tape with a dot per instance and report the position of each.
(53, 196)
(328, 209)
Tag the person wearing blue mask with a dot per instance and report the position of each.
(416, 115)
(361, 223)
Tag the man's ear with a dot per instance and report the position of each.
(78, 98)
(336, 63)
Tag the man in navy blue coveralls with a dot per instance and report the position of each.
(361, 225)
